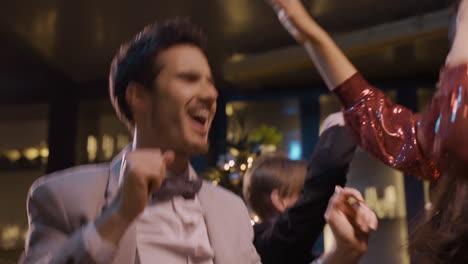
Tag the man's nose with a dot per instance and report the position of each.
(209, 93)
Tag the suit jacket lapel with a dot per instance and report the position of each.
(115, 168)
(213, 226)
(230, 239)
(127, 246)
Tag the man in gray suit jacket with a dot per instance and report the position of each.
(148, 205)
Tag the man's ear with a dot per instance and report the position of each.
(277, 201)
(137, 98)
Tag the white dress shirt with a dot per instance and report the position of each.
(172, 231)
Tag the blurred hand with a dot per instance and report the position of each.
(335, 119)
(458, 53)
(292, 7)
(350, 221)
(293, 16)
(144, 171)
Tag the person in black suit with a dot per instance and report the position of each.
(292, 209)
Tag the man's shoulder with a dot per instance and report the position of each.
(219, 193)
(229, 207)
(69, 198)
(82, 178)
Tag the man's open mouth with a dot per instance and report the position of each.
(200, 116)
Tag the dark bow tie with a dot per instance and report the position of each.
(173, 186)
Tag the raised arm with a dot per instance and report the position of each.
(295, 232)
(333, 65)
(458, 54)
(382, 128)
(444, 124)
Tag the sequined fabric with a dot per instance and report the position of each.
(384, 129)
(443, 130)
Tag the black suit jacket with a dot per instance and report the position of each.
(290, 236)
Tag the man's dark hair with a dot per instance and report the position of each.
(135, 60)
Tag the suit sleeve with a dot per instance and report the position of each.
(386, 130)
(50, 238)
(293, 233)
(253, 257)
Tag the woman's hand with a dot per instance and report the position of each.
(350, 222)
(294, 18)
(459, 53)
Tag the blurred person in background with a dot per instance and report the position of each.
(291, 197)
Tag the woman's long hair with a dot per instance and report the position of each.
(442, 237)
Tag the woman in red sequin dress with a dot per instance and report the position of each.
(426, 146)
(386, 130)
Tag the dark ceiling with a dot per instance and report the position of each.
(75, 40)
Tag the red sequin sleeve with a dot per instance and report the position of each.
(384, 129)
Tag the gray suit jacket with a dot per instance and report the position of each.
(60, 205)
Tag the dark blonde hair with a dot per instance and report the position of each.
(269, 172)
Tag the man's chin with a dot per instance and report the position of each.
(197, 148)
